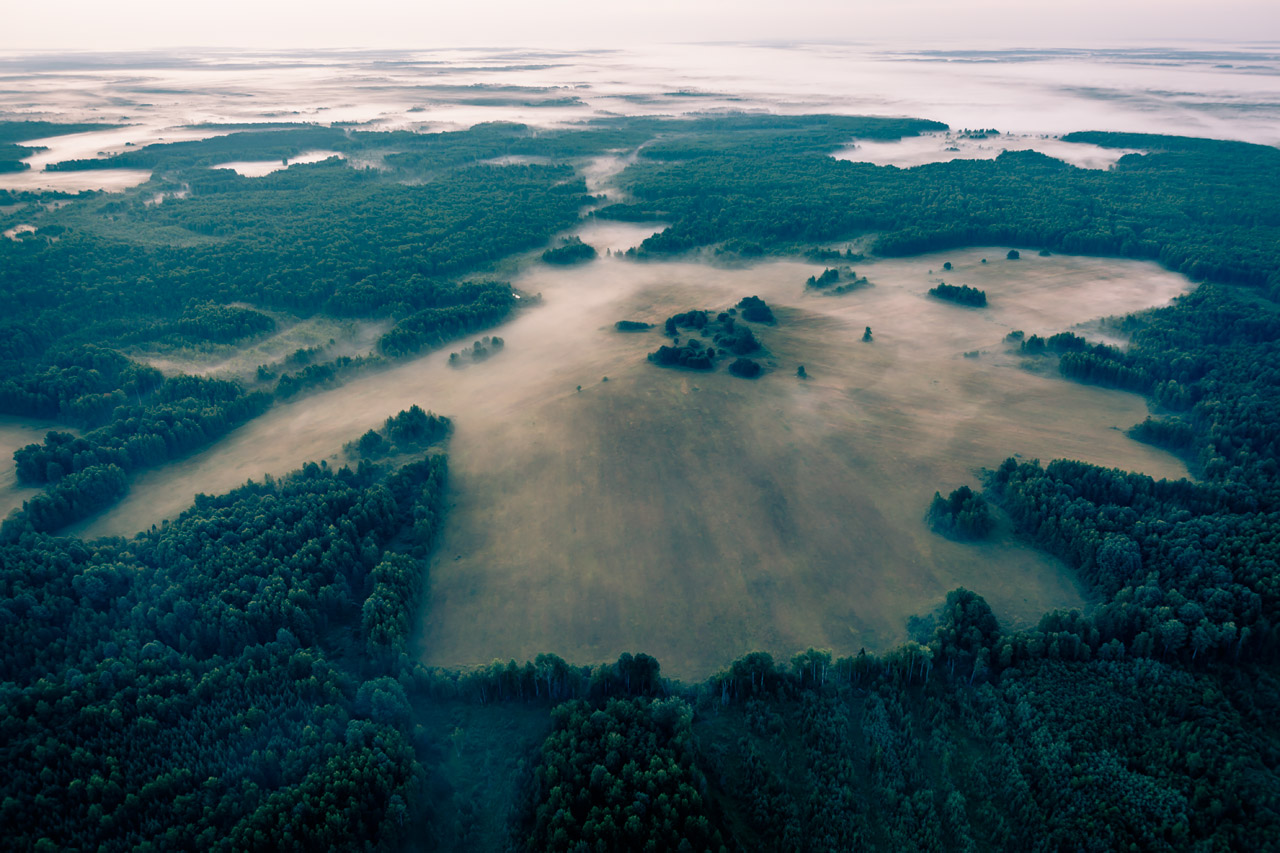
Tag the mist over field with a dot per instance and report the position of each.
(762, 513)
(692, 514)
(856, 426)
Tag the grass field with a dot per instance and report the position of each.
(699, 516)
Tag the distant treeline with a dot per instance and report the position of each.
(713, 194)
(13, 132)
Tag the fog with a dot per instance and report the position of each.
(1207, 90)
(333, 337)
(258, 168)
(697, 516)
(943, 147)
(693, 516)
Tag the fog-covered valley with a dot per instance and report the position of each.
(1037, 94)
(715, 446)
(695, 514)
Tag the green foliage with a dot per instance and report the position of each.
(413, 426)
(745, 368)
(620, 777)
(200, 684)
(408, 431)
(570, 251)
(72, 497)
(963, 514)
(488, 303)
(632, 326)
(829, 276)
(755, 309)
(177, 416)
(782, 197)
(238, 679)
(963, 295)
(693, 355)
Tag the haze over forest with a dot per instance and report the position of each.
(841, 440)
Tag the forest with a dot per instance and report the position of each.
(240, 677)
(1205, 208)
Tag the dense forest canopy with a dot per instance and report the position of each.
(1204, 208)
(239, 678)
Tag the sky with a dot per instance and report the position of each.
(142, 24)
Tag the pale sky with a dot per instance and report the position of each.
(135, 24)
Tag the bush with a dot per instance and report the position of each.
(756, 310)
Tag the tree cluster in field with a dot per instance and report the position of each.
(693, 354)
(570, 251)
(724, 331)
(963, 514)
(755, 309)
(961, 295)
(479, 350)
(205, 321)
(834, 276)
(632, 326)
(1062, 342)
(408, 431)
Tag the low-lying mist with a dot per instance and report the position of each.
(698, 516)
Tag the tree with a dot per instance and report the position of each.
(963, 514)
